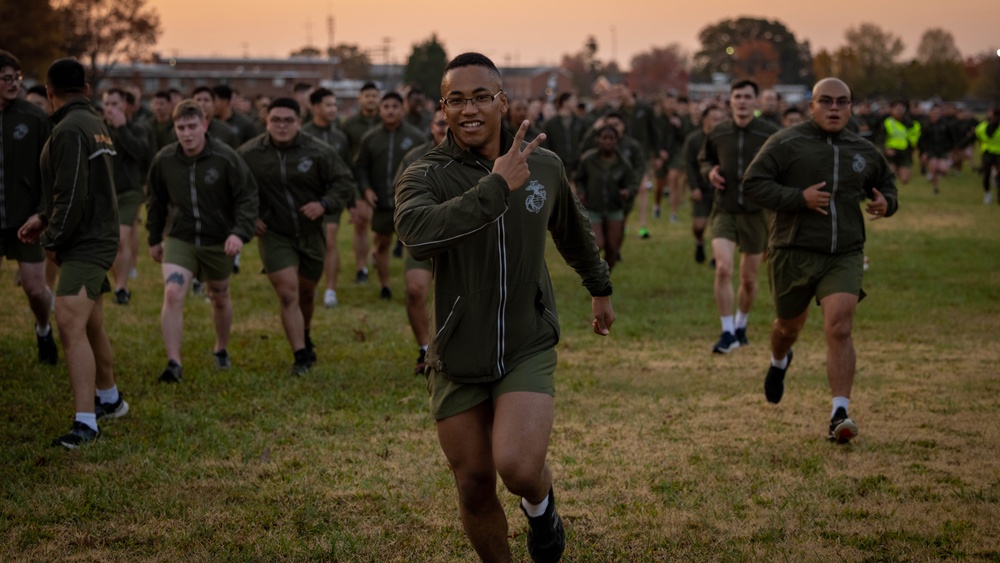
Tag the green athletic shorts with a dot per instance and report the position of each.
(306, 252)
(73, 275)
(207, 263)
(599, 217)
(796, 276)
(382, 222)
(128, 207)
(333, 216)
(534, 374)
(12, 248)
(902, 159)
(747, 230)
(703, 209)
(411, 263)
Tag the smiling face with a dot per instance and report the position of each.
(472, 127)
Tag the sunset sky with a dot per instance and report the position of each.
(529, 32)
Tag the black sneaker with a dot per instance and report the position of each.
(79, 435)
(546, 537)
(699, 253)
(726, 344)
(386, 294)
(301, 365)
(361, 277)
(397, 251)
(122, 296)
(774, 382)
(172, 374)
(222, 360)
(310, 350)
(47, 351)
(842, 428)
(741, 335)
(116, 409)
(421, 362)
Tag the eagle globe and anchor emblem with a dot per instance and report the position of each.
(536, 201)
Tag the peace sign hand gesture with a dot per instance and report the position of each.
(513, 166)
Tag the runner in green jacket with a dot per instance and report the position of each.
(814, 176)
(480, 205)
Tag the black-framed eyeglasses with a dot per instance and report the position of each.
(479, 101)
(281, 120)
(827, 102)
(11, 78)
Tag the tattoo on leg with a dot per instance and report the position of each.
(175, 277)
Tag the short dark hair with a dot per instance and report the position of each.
(743, 83)
(708, 109)
(7, 59)
(188, 108)
(368, 86)
(899, 102)
(67, 76)
(474, 59)
(223, 91)
(414, 90)
(129, 98)
(162, 94)
(318, 94)
(682, 99)
(611, 128)
(37, 89)
(175, 91)
(301, 87)
(615, 115)
(289, 103)
(561, 100)
(116, 91)
(392, 95)
(792, 109)
(201, 89)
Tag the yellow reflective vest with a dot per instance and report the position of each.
(990, 144)
(897, 137)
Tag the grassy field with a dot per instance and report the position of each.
(661, 451)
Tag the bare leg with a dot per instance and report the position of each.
(73, 315)
(176, 281)
(418, 283)
(838, 317)
(749, 264)
(614, 234)
(125, 258)
(383, 244)
(222, 312)
(331, 263)
(33, 284)
(724, 251)
(286, 285)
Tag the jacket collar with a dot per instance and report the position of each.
(79, 103)
(467, 156)
(206, 152)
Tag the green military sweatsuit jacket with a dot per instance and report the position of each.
(287, 178)
(379, 157)
(494, 304)
(132, 159)
(24, 128)
(732, 148)
(78, 202)
(355, 127)
(599, 182)
(804, 155)
(333, 137)
(203, 199)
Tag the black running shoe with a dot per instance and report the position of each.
(47, 351)
(222, 360)
(397, 251)
(842, 428)
(421, 362)
(774, 382)
(361, 277)
(302, 364)
(172, 374)
(122, 296)
(546, 537)
(116, 409)
(79, 435)
(386, 294)
(310, 350)
(699, 253)
(741, 335)
(726, 344)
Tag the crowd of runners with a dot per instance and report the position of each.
(768, 182)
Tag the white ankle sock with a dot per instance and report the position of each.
(43, 331)
(727, 324)
(108, 396)
(535, 510)
(741, 319)
(780, 364)
(839, 402)
(88, 418)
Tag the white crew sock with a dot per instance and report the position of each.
(88, 418)
(40, 331)
(839, 402)
(424, 347)
(535, 510)
(108, 396)
(780, 364)
(741, 319)
(727, 324)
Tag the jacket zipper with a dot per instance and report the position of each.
(288, 193)
(194, 206)
(833, 194)
(739, 169)
(502, 305)
(388, 162)
(3, 198)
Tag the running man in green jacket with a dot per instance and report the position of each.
(299, 180)
(814, 176)
(24, 128)
(479, 205)
(78, 227)
(212, 203)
